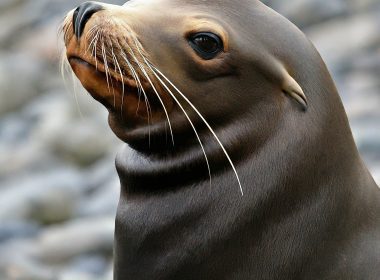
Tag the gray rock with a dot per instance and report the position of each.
(13, 128)
(102, 202)
(15, 93)
(76, 275)
(367, 134)
(341, 39)
(367, 62)
(24, 158)
(45, 198)
(58, 120)
(360, 95)
(32, 140)
(83, 147)
(89, 266)
(101, 174)
(81, 245)
(5, 5)
(357, 6)
(13, 230)
(305, 13)
(61, 243)
(24, 269)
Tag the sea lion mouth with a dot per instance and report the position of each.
(131, 116)
(103, 86)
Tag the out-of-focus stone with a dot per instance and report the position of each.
(75, 238)
(339, 40)
(305, 13)
(45, 198)
(86, 267)
(367, 135)
(361, 96)
(24, 269)
(84, 147)
(13, 230)
(103, 202)
(16, 92)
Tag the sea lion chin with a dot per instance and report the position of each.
(239, 160)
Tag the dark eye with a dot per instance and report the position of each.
(207, 45)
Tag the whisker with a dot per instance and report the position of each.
(92, 43)
(140, 88)
(151, 83)
(63, 66)
(90, 31)
(88, 36)
(122, 79)
(157, 94)
(205, 122)
(65, 29)
(111, 81)
(187, 117)
(96, 49)
(105, 65)
(65, 69)
(75, 90)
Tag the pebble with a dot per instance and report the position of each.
(63, 242)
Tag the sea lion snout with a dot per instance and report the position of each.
(104, 52)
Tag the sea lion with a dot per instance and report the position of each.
(239, 161)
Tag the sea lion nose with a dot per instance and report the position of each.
(82, 14)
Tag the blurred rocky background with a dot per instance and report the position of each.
(58, 184)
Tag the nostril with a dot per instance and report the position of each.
(82, 14)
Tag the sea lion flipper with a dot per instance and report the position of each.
(294, 90)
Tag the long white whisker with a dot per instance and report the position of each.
(188, 118)
(88, 35)
(75, 89)
(92, 43)
(151, 83)
(96, 50)
(136, 77)
(111, 80)
(140, 89)
(134, 74)
(90, 31)
(205, 122)
(105, 65)
(63, 66)
(122, 79)
(65, 30)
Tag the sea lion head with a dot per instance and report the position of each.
(169, 67)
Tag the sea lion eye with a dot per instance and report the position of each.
(207, 45)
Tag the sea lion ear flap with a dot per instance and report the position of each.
(294, 90)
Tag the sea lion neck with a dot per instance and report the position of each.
(183, 166)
